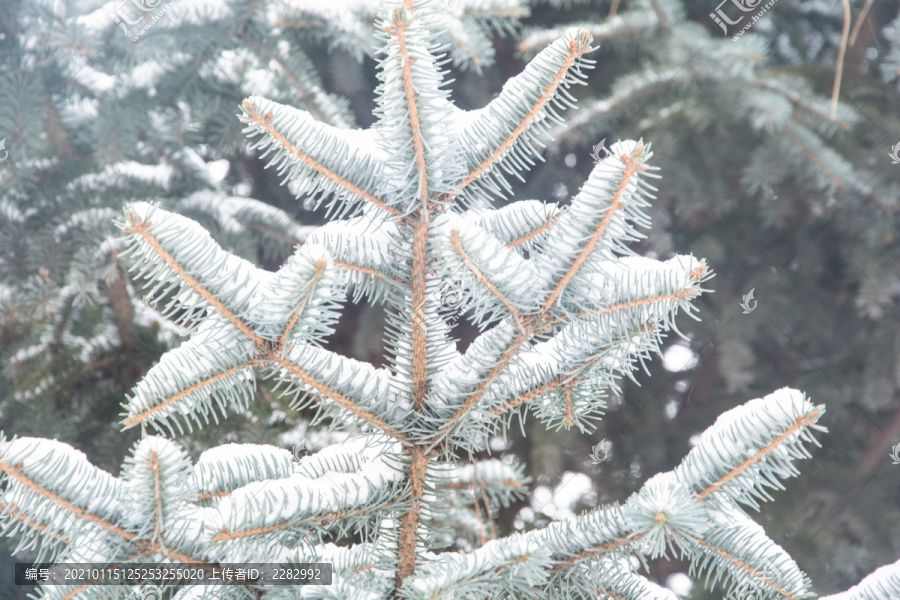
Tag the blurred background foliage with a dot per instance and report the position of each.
(782, 192)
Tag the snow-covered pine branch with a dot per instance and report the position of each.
(564, 310)
(790, 118)
(146, 78)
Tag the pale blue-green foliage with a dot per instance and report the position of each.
(484, 134)
(132, 95)
(464, 25)
(230, 466)
(791, 120)
(368, 243)
(164, 506)
(520, 224)
(670, 515)
(884, 582)
(890, 68)
(563, 311)
(245, 225)
(749, 486)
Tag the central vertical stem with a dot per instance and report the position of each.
(418, 314)
(409, 526)
(418, 465)
(418, 458)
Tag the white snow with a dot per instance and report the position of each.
(679, 583)
(559, 502)
(678, 357)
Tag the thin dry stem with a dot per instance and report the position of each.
(839, 70)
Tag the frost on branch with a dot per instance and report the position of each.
(563, 310)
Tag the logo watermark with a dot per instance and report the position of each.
(722, 19)
(448, 5)
(895, 151)
(5, 151)
(146, 592)
(152, 304)
(747, 299)
(145, 7)
(454, 300)
(299, 451)
(895, 455)
(600, 151)
(754, 589)
(601, 452)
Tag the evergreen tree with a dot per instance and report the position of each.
(102, 102)
(784, 199)
(563, 307)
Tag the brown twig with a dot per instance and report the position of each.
(860, 20)
(613, 9)
(839, 70)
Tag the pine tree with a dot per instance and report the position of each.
(781, 198)
(137, 102)
(90, 118)
(564, 310)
